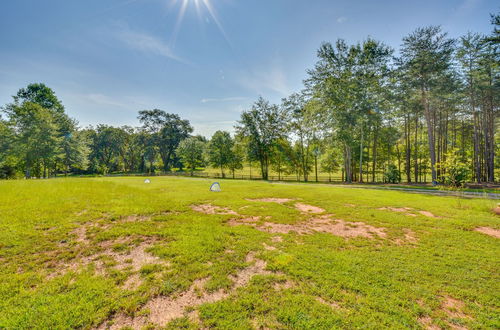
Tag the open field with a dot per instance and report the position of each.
(116, 252)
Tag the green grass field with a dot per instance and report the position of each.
(119, 253)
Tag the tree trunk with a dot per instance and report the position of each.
(361, 156)
(430, 134)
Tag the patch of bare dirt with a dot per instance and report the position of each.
(279, 286)
(305, 208)
(135, 218)
(349, 205)
(408, 211)
(409, 237)
(133, 258)
(322, 224)
(489, 231)
(454, 308)
(276, 239)
(164, 309)
(133, 282)
(496, 210)
(426, 322)
(333, 305)
(428, 214)
(212, 209)
(268, 247)
(271, 200)
(81, 235)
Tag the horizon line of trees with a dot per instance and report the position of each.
(428, 113)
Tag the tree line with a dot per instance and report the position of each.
(425, 114)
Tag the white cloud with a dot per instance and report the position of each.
(146, 43)
(223, 99)
(106, 100)
(341, 19)
(261, 80)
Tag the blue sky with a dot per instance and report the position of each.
(108, 59)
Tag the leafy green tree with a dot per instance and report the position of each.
(104, 148)
(40, 94)
(190, 151)
(237, 157)
(220, 150)
(263, 125)
(36, 137)
(330, 161)
(7, 154)
(167, 130)
(427, 54)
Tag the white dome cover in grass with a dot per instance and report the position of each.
(215, 187)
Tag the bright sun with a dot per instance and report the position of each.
(199, 5)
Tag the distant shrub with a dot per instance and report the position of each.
(455, 171)
(392, 175)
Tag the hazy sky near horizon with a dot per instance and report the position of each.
(206, 60)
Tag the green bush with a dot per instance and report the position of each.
(455, 172)
(392, 175)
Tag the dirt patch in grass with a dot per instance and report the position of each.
(271, 200)
(111, 255)
(268, 247)
(212, 209)
(321, 224)
(496, 210)
(454, 308)
(408, 211)
(426, 322)
(332, 305)
(276, 239)
(135, 218)
(489, 231)
(161, 310)
(305, 208)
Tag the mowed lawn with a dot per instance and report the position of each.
(116, 252)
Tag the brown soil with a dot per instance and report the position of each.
(454, 308)
(276, 239)
(396, 209)
(268, 247)
(496, 210)
(212, 209)
(279, 286)
(135, 218)
(333, 305)
(132, 283)
(428, 214)
(407, 211)
(322, 224)
(133, 259)
(426, 322)
(489, 231)
(304, 208)
(271, 200)
(164, 309)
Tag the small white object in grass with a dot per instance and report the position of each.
(147, 181)
(215, 187)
